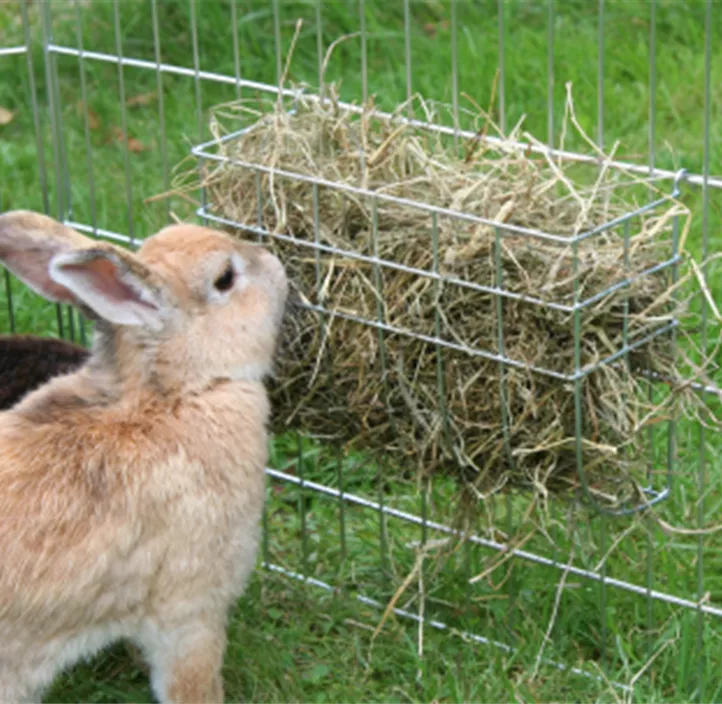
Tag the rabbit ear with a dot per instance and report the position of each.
(28, 241)
(114, 284)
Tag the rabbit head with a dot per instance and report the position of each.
(191, 306)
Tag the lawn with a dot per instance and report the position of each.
(292, 641)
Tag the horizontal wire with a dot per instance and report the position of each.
(494, 545)
(368, 322)
(13, 50)
(436, 624)
(506, 229)
(662, 174)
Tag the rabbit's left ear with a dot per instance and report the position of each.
(28, 241)
(114, 284)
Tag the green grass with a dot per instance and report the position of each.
(294, 642)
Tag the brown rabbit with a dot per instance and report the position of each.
(28, 361)
(131, 490)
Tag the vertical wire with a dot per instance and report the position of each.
(407, 50)
(671, 434)
(62, 151)
(319, 44)
(704, 340)
(53, 108)
(52, 105)
(440, 367)
(236, 52)
(42, 169)
(302, 504)
(602, 517)
(380, 316)
(652, 159)
(259, 225)
(86, 120)
(504, 401)
(277, 40)
(9, 297)
(196, 69)
(652, 84)
(364, 54)
(600, 74)
(64, 190)
(161, 107)
(578, 433)
(265, 541)
(123, 120)
(425, 487)
(454, 72)
(550, 73)
(8, 289)
(197, 91)
(502, 66)
(323, 319)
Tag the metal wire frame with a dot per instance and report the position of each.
(63, 208)
(204, 153)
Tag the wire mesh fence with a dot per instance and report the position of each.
(587, 591)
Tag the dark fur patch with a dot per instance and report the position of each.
(28, 362)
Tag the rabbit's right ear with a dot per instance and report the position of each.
(28, 243)
(114, 284)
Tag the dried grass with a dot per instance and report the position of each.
(419, 403)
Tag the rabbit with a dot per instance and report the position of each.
(131, 490)
(28, 361)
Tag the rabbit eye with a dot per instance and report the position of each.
(225, 281)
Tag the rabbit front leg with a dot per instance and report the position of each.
(186, 660)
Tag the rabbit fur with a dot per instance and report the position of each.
(131, 490)
(28, 361)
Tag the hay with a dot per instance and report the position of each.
(412, 400)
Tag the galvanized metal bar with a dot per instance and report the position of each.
(12, 51)
(9, 298)
(638, 169)
(509, 229)
(53, 112)
(161, 106)
(86, 118)
(52, 103)
(300, 469)
(440, 626)
(702, 468)
(381, 318)
(504, 410)
(428, 338)
(8, 289)
(527, 556)
(454, 70)
(39, 147)
(236, 51)
(277, 41)
(502, 65)
(550, 73)
(577, 348)
(440, 367)
(124, 120)
(197, 68)
(329, 368)
(389, 264)
(407, 50)
(600, 74)
(364, 52)
(652, 158)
